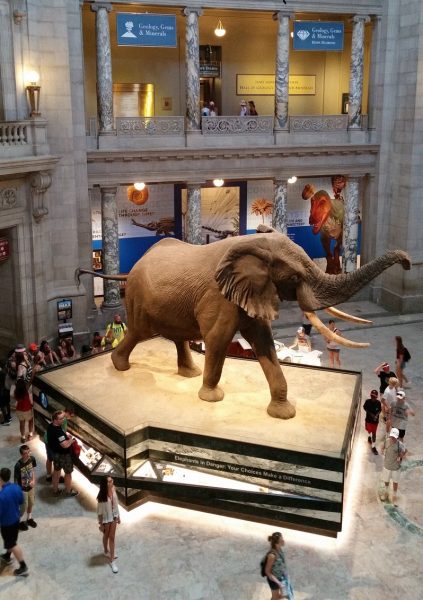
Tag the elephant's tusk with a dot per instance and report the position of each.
(346, 317)
(328, 334)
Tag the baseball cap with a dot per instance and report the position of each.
(374, 393)
(300, 330)
(20, 348)
(394, 433)
(401, 394)
(33, 347)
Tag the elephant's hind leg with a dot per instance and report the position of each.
(120, 355)
(186, 365)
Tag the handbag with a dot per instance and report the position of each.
(75, 449)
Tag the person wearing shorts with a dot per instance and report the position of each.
(399, 410)
(373, 408)
(394, 451)
(11, 497)
(25, 478)
(60, 444)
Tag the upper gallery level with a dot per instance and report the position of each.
(225, 74)
(169, 76)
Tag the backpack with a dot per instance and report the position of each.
(406, 355)
(263, 563)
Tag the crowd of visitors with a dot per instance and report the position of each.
(17, 500)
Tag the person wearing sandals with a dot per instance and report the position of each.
(275, 569)
(24, 476)
(24, 411)
(108, 518)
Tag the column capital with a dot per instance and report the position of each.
(279, 179)
(108, 189)
(98, 5)
(283, 13)
(196, 182)
(190, 9)
(360, 19)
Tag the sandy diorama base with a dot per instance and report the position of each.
(152, 393)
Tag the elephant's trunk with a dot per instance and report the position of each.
(322, 290)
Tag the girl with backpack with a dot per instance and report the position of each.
(275, 569)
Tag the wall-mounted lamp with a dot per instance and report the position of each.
(139, 185)
(218, 182)
(292, 179)
(220, 30)
(33, 93)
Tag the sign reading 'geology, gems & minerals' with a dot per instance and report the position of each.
(318, 35)
(135, 29)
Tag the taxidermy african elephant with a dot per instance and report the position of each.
(186, 292)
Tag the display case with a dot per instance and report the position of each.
(148, 428)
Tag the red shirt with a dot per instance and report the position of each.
(24, 404)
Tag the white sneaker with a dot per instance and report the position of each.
(114, 567)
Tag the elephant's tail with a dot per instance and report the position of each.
(79, 272)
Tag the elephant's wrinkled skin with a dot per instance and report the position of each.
(186, 292)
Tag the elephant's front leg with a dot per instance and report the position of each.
(259, 335)
(186, 366)
(217, 337)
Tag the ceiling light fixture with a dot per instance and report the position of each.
(292, 179)
(220, 30)
(139, 185)
(218, 182)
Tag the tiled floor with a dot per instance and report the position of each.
(177, 554)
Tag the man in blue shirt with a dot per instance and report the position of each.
(11, 497)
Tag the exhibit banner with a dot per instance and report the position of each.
(315, 213)
(143, 217)
(145, 29)
(318, 35)
(264, 85)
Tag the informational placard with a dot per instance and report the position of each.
(264, 85)
(210, 69)
(318, 35)
(64, 310)
(135, 29)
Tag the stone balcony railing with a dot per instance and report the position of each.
(141, 133)
(20, 139)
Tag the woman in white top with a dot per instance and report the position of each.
(108, 518)
(333, 347)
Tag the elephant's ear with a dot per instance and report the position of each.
(243, 277)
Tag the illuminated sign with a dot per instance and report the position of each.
(318, 35)
(135, 29)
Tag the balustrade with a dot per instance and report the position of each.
(149, 126)
(23, 138)
(236, 125)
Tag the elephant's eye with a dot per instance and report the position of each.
(295, 279)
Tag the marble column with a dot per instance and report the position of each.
(110, 236)
(356, 72)
(104, 69)
(7, 64)
(192, 66)
(280, 196)
(350, 234)
(193, 216)
(375, 79)
(282, 70)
